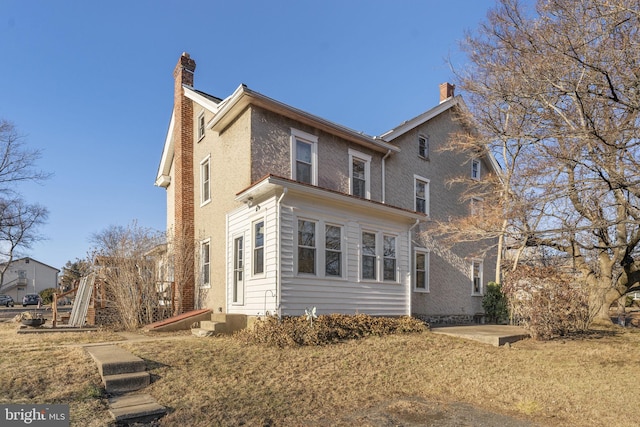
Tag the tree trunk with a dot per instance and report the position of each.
(600, 300)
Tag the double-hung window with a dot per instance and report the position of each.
(205, 254)
(423, 147)
(369, 264)
(476, 277)
(205, 180)
(389, 258)
(421, 265)
(201, 126)
(421, 190)
(332, 250)
(306, 246)
(258, 247)
(304, 157)
(475, 169)
(360, 173)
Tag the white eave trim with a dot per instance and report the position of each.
(205, 102)
(243, 96)
(162, 178)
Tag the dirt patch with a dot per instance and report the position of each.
(421, 413)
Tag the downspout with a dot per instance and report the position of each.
(278, 252)
(384, 177)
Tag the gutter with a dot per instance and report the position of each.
(279, 251)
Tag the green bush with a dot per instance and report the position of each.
(47, 295)
(495, 304)
(326, 329)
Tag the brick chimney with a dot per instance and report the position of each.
(184, 232)
(446, 91)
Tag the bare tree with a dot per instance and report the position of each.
(555, 94)
(19, 220)
(122, 254)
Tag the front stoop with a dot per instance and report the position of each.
(135, 408)
(221, 323)
(123, 372)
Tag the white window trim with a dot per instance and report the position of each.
(427, 197)
(475, 206)
(426, 140)
(204, 242)
(200, 131)
(367, 171)
(427, 267)
(240, 300)
(315, 248)
(479, 163)
(382, 257)
(253, 248)
(203, 201)
(473, 292)
(309, 139)
(321, 249)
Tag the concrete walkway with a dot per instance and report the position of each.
(496, 335)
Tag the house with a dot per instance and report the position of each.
(292, 211)
(27, 276)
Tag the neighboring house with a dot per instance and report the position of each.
(292, 211)
(27, 276)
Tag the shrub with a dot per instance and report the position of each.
(494, 303)
(47, 295)
(326, 329)
(547, 302)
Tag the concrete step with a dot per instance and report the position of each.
(123, 383)
(214, 325)
(135, 408)
(199, 332)
(112, 360)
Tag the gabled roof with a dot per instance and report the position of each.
(455, 101)
(226, 110)
(422, 118)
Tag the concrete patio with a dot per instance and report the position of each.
(496, 335)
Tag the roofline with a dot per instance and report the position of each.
(30, 258)
(243, 97)
(422, 118)
(270, 182)
(163, 178)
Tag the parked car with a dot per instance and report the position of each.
(31, 299)
(6, 300)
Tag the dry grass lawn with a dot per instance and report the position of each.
(221, 381)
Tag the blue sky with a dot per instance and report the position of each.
(90, 84)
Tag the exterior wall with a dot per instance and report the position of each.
(230, 160)
(348, 294)
(19, 279)
(271, 137)
(450, 283)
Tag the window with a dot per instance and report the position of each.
(306, 247)
(421, 195)
(206, 264)
(258, 247)
(389, 258)
(205, 181)
(333, 250)
(476, 276)
(201, 126)
(238, 270)
(422, 270)
(475, 206)
(304, 167)
(423, 147)
(475, 169)
(360, 172)
(369, 256)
